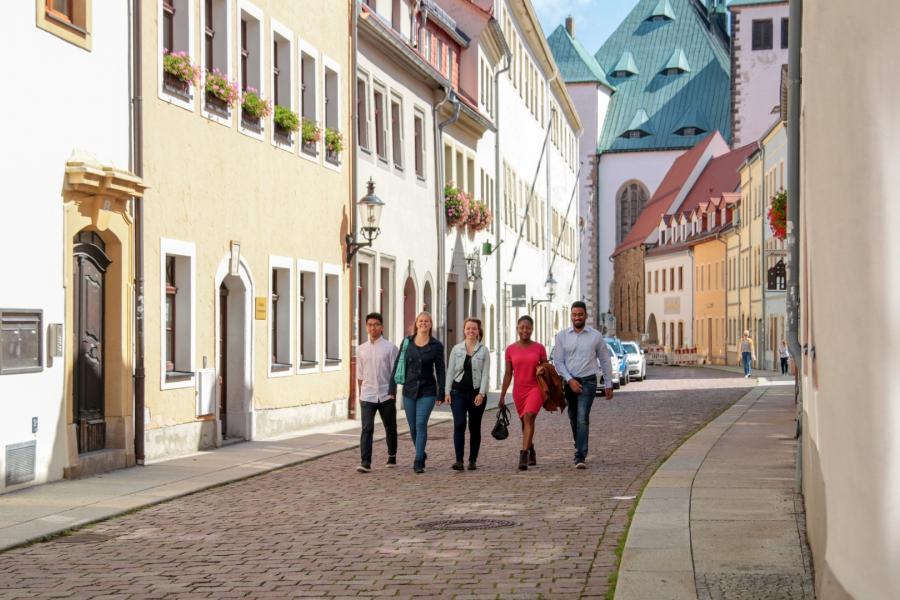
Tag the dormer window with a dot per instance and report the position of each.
(677, 64)
(625, 67)
(662, 12)
(634, 134)
(689, 131)
(622, 74)
(638, 127)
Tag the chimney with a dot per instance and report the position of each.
(570, 25)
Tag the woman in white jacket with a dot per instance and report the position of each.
(466, 390)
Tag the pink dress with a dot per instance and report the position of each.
(525, 360)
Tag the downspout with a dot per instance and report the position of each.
(441, 300)
(354, 175)
(137, 167)
(795, 77)
(763, 272)
(499, 316)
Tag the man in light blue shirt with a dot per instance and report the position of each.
(579, 353)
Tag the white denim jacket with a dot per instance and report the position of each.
(481, 366)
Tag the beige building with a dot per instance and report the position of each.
(748, 313)
(245, 287)
(849, 149)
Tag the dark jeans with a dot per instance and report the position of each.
(784, 365)
(746, 358)
(463, 406)
(580, 413)
(417, 412)
(388, 412)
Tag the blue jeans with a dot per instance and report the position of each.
(464, 409)
(746, 357)
(580, 414)
(417, 412)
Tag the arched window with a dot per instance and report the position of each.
(630, 201)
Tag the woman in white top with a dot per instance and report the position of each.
(748, 353)
(784, 355)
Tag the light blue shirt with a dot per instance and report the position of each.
(577, 354)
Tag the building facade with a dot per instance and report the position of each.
(246, 291)
(775, 257)
(66, 328)
(750, 307)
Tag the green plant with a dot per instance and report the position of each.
(286, 119)
(334, 140)
(218, 84)
(178, 64)
(456, 206)
(254, 105)
(778, 215)
(310, 132)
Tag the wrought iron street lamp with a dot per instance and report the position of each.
(550, 286)
(370, 207)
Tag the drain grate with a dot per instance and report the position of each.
(84, 538)
(465, 524)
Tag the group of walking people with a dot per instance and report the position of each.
(580, 354)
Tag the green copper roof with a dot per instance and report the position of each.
(626, 63)
(663, 9)
(693, 42)
(678, 61)
(638, 122)
(576, 65)
(694, 117)
(755, 2)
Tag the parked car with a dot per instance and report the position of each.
(616, 368)
(619, 351)
(637, 363)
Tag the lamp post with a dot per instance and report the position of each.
(550, 286)
(370, 207)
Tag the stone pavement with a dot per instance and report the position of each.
(721, 518)
(319, 529)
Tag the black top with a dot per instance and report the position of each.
(425, 370)
(465, 384)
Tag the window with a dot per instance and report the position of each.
(332, 106)
(20, 341)
(672, 278)
(176, 37)
(216, 45)
(308, 92)
(280, 314)
(67, 19)
(632, 198)
(362, 112)
(178, 309)
(656, 282)
(762, 34)
(784, 33)
(307, 306)
(332, 314)
(282, 88)
(419, 132)
(380, 133)
(397, 132)
(689, 131)
(440, 55)
(680, 278)
(251, 75)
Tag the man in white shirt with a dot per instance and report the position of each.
(374, 365)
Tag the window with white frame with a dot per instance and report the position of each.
(308, 91)
(419, 132)
(281, 78)
(251, 69)
(20, 341)
(332, 317)
(176, 40)
(307, 306)
(280, 314)
(332, 105)
(380, 123)
(215, 56)
(178, 309)
(397, 131)
(362, 111)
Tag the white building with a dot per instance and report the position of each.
(759, 30)
(69, 154)
(671, 266)
(775, 256)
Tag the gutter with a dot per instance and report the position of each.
(441, 300)
(354, 176)
(763, 272)
(500, 318)
(137, 167)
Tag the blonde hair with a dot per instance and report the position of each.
(425, 313)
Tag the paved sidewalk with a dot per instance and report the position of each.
(721, 518)
(44, 510)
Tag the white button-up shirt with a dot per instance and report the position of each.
(375, 362)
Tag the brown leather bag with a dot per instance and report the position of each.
(551, 387)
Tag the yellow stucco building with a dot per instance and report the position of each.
(710, 283)
(245, 288)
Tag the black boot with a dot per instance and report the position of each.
(523, 460)
(532, 456)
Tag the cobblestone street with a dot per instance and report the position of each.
(319, 529)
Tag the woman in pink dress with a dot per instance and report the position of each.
(522, 360)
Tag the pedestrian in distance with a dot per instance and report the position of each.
(579, 353)
(419, 368)
(468, 371)
(374, 363)
(784, 354)
(748, 352)
(523, 357)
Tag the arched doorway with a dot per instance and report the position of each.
(234, 364)
(652, 332)
(409, 305)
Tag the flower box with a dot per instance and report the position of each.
(251, 123)
(217, 106)
(179, 74)
(310, 135)
(177, 87)
(221, 93)
(334, 143)
(282, 136)
(333, 157)
(253, 109)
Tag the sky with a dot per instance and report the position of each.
(595, 20)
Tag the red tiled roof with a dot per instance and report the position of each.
(719, 176)
(664, 196)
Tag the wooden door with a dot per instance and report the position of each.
(89, 296)
(223, 358)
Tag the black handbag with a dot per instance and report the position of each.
(501, 427)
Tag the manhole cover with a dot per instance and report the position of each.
(84, 538)
(465, 524)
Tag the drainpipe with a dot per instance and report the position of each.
(763, 273)
(137, 167)
(354, 265)
(441, 300)
(500, 317)
(795, 74)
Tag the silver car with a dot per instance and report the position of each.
(637, 362)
